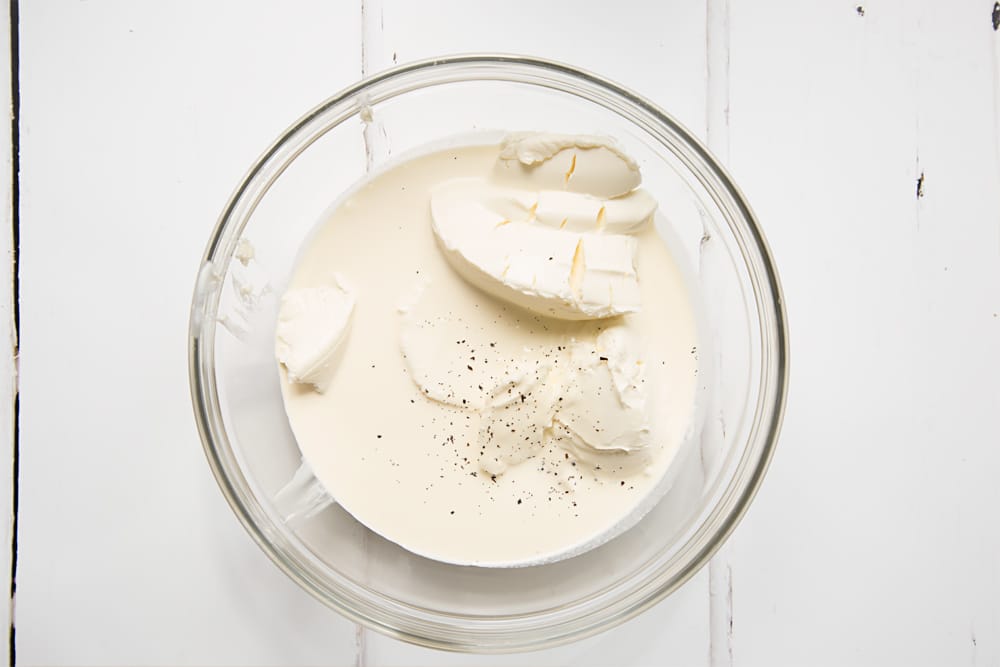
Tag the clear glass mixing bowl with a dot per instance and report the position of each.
(743, 358)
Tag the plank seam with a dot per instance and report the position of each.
(360, 638)
(15, 324)
(717, 115)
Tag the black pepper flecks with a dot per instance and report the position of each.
(518, 443)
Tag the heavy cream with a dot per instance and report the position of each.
(518, 377)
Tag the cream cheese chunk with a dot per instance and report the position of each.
(583, 393)
(312, 324)
(572, 211)
(554, 272)
(626, 214)
(551, 229)
(578, 163)
(603, 411)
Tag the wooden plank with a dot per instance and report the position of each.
(8, 364)
(875, 537)
(137, 122)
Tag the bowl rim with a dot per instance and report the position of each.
(774, 360)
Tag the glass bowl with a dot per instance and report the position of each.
(743, 358)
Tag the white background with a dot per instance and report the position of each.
(876, 536)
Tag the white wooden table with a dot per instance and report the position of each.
(866, 137)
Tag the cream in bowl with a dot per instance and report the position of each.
(504, 376)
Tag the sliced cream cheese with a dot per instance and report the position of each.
(577, 163)
(553, 272)
(551, 229)
(312, 325)
(575, 212)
